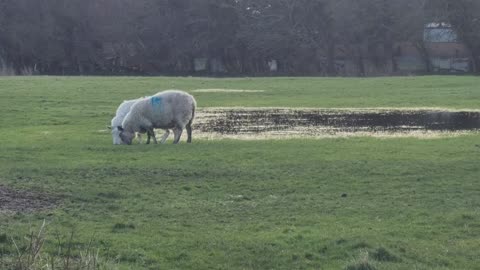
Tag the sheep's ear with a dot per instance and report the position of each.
(109, 127)
(120, 128)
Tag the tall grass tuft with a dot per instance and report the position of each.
(361, 263)
(30, 254)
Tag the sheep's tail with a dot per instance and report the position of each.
(194, 105)
(189, 125)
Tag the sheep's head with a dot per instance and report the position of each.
(126, 136)
(116, 135)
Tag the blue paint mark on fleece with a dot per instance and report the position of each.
(156, 102)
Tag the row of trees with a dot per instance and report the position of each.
(166, 36)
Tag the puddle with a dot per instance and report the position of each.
(258, 123)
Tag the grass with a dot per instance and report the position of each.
(399, 203)
(29, 254)
(361, 263)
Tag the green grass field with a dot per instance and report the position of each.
(229, 204)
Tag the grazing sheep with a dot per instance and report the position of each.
(122, 111)
(170, 109)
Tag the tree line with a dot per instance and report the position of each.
(232, 37)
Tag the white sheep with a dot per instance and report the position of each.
(171, 109)
(122, 111)
(120, 114)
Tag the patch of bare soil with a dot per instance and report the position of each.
(271, 123)
(22, 201)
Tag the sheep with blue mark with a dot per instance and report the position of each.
(120, 114)
(171, 109)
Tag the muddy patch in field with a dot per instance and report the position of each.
(22, 201)
(267, 123)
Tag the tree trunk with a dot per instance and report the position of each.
(422, 49)
(331, 71)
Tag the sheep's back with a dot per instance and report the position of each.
(174, 108)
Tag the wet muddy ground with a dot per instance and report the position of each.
(21, 201)
(281, 122)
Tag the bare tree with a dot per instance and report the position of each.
(305, 37)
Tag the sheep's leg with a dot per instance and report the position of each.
(148, 137)
(189, 132)
(152, 133)
(177, 131)
(165, 136)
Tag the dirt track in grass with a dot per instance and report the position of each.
(271, 123)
